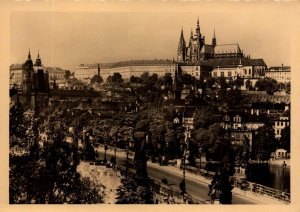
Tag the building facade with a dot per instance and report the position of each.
(237, 67)
(281, 74)
(136, 68)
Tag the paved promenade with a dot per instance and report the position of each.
(255, 197)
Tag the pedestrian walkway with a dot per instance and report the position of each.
(106, 178)
(260, 199)
(255, 197)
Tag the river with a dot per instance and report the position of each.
(271, 176)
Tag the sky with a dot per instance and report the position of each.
(69, 38)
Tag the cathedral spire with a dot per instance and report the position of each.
(214, 40)
(181, 48)
(98, 69)
(38, 61)
(181, 35)
(198, 29)
(29, 55)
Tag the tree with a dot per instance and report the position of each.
(167, 79)
(264, 143)
(96, 79)
(267, 84)
(187, 79)
(238, 82)
(116, 78)
(232, 97)
(134, 79)
(132, 193)
(49, 176)
(67, 74)
(202, 137)
(210, 82)
(204, 117)
(220, 187)
(285, 139)
(248, 85)
(288, 88)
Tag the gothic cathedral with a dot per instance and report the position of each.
(196, 50)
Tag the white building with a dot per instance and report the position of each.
(193, 70)
(16, 75)
(231, 68)
(136, 68)
(281, 74)
(56, 73)
(281, 123)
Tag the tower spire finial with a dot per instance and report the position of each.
(98, 69)
(38, 53)
(214, 39)
(198, 21)
(29, 55)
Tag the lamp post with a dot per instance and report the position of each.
(127, 156)
(200, 151)
(283, 166)
(105, 148)
(182, 184)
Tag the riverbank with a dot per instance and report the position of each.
(279, 162)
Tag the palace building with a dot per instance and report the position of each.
(194, 57)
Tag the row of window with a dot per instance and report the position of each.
(235, 119)
(282, 124)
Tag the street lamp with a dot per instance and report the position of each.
(127, 156)
(105, 148)
(283, 166)
(182, 184)
(200, 151)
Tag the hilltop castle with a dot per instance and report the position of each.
(197, 50)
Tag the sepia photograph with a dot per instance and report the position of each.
(189, 105)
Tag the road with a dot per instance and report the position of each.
(193, 187)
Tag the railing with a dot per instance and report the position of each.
(175, 194)
(246, 186)
(262, 190)
(238, 183)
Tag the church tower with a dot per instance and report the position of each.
(181, 52)
(27, 71)
(38, 61)
(98, 70)
(197, 44)
(214, 40)
(176, 90)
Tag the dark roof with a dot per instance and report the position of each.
(233, 62)
(227, 48)
(286, 113)
(133, 63)
(208, 49)
(246, 117)
(74, 93)
(268, 105)
(53, 69)
(15, 66)
(189, 112)
(174, 102)
(280, 68)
